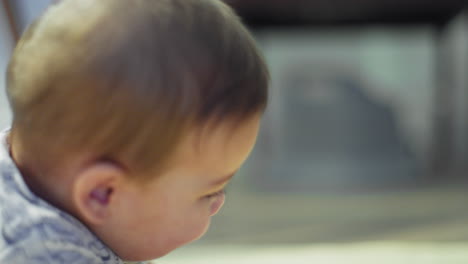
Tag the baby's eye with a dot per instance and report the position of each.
(211, 195)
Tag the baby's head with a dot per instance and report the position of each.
(133, 115)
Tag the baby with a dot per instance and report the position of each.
(129, 119)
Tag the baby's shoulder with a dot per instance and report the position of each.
(32, 231)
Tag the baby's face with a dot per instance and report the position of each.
(177, 206)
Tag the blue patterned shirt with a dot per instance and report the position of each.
(34, 232)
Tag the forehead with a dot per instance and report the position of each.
(221, 147)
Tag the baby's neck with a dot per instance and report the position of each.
(40, 188)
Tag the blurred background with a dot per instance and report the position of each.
(363, 153)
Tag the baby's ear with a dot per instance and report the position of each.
(94, 188)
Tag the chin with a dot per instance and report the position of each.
(146, 254)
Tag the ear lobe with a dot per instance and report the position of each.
(94, 189)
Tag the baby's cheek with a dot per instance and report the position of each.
(197, 224)
(185, 234)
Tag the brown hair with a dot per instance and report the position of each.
(124, 79)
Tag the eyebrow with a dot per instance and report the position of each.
(222, 180)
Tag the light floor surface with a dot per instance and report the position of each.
(406, 226)
(359, 253)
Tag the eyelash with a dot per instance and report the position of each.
(215, 194)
